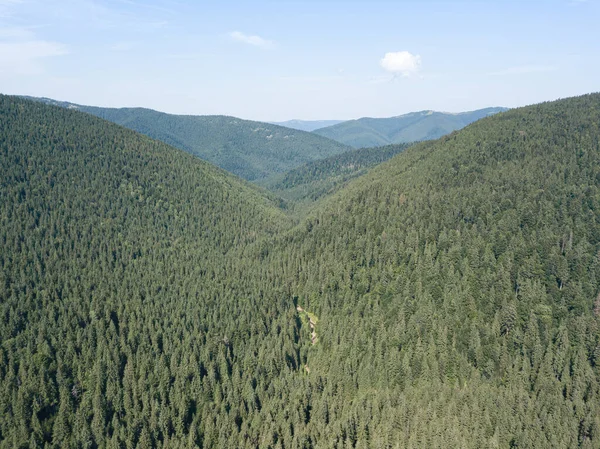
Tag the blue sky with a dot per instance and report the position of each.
(280, 60)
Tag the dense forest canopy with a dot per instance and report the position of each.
(447, 298)
(316, 179)
(249, 149)
(412, 127)
(119, 292)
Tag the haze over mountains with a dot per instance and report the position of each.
(412, 127)
(446, 298)
(308, 125)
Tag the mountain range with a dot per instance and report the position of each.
(251, 150)
(412, 127)
(447, 297)
(307, 125)
(258, 151)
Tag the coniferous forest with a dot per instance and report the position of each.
(447, 298)
(319, 178)
(251, 150)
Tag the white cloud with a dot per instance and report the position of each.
(24, 58)
(21, 52)
(257, 41)
(401, 63)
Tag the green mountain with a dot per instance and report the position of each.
(251, 150)
(307, 125)
(317, 179)
(457, 289)
(448, 298)
(413, 127)
(126, 307)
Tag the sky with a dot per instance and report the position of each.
(315, 59)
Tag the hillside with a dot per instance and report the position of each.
(457, 290)
(251, 150)
(413, 127)
(307, 125)
(126, 310)
(316, 179)
(448, 298)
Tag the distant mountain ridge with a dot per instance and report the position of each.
(249, 149)
(411, 127)
(307, 125)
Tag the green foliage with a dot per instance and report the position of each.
(251, 150)
(125, 315)
(413, 127)
(455, 287)
(148, 299)
(316, 179)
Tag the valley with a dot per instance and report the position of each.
(299, 225)
(151, 299)
(251, 150)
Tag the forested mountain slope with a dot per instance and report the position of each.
(412, 127)
(127, 316)
(457, 288)
(251, 150)
(447, 299)
(316, 179)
